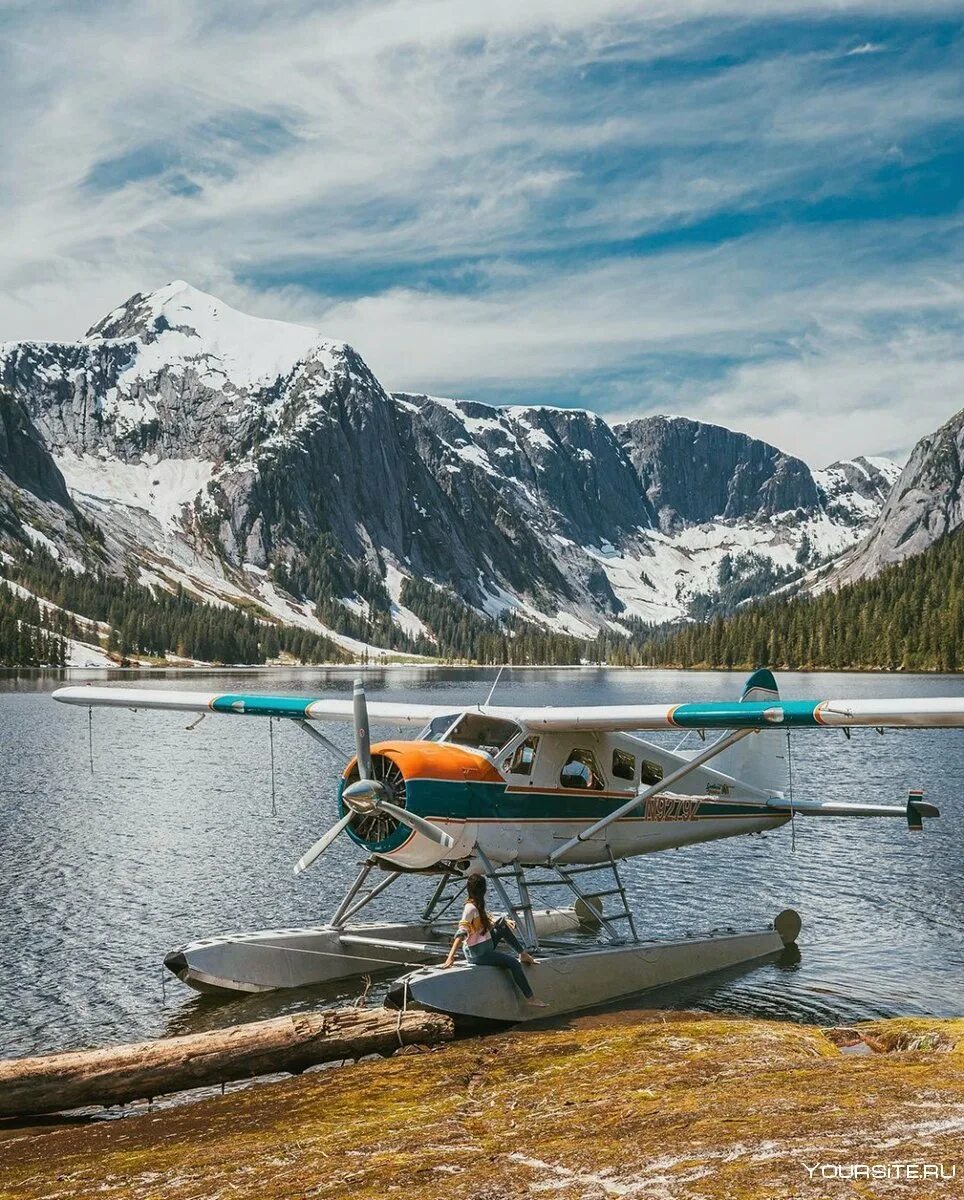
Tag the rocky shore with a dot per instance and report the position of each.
(641, 1104)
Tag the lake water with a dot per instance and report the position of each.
(171, 837)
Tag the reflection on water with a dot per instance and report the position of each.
(171, 838)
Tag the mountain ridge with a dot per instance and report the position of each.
(255, 459)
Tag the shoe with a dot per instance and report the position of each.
(532, 1002)
(527, 960)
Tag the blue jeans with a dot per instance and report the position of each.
(486, 955)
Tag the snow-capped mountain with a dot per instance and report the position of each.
(925, 503)
(662, 507)
(236, 455)
(857, 490)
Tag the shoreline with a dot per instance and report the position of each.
(638, 1103)
(435, 665)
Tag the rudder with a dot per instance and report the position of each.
(761, 759)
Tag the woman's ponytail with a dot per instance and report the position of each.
(475, 887)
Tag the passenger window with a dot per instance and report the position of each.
(581, 771)
(522, 761)
(624, 765)
(650, 772)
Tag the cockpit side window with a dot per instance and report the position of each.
(524, 758)
(581, 770)
(488, 734)
(434, 730)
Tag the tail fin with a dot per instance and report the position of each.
(760, 760)
(760, 686)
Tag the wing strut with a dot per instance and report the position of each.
(336, 752)
(641, 797)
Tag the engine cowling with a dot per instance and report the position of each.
(429, 779)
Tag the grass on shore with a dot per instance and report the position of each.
(639, 1105)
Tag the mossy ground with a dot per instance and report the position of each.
(675, 1106)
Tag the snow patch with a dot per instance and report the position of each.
(403, 617)
(83, 654)
(475, 454)
(161, 489)
(41, 539)
(357, 605)
(224, 345)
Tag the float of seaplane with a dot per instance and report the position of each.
(534, 798)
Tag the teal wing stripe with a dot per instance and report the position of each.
(760, 714)
(262, 706)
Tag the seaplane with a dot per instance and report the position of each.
(534, 798)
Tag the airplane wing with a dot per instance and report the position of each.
(299, 708)
(933, 712)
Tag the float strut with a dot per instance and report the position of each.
(370, 895)
(503, 894)
(352, 892)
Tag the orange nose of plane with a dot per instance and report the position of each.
(431, 760)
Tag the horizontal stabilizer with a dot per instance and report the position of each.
(915, 809)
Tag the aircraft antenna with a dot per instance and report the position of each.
(488, 699)
(793, 814)
(274, 805)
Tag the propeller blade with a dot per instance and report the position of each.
(419, 824)
(322, 844)
(363, 743)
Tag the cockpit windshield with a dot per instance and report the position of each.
(434, 730)
(488, 734)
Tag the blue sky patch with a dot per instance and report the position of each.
(752, 217)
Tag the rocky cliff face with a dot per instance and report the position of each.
(925, 503)
(35, 506)
(25, 461)
(563, 468)
(213, 447)
(692, 472)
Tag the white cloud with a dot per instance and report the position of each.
(414, 143)
(841, 357)
(838, 402)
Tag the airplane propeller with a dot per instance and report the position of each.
(369, 795)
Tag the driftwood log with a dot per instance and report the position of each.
(119, 1074)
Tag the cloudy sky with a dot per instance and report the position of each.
(747, 211)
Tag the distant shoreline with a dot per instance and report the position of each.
(348, 668)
